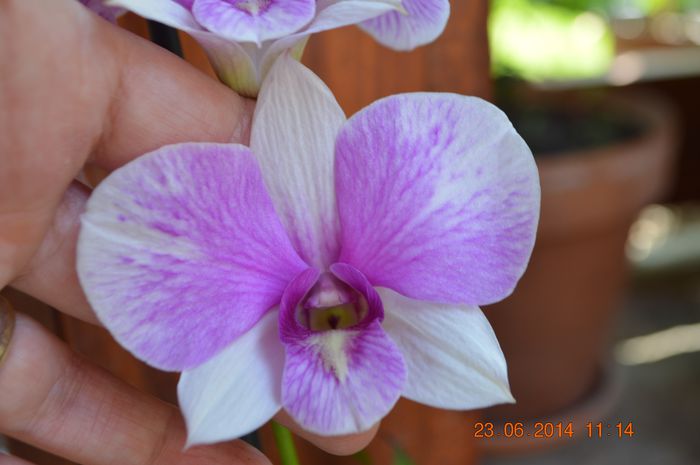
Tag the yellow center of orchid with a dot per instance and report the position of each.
(332, 305)
(336, 317)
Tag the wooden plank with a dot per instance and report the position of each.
(359, 71)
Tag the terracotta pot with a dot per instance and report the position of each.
(555, 328)
(421, 434)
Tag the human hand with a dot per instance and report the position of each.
(77, 91)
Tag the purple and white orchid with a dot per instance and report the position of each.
(330, 268)
(110, 13)
(243, 38)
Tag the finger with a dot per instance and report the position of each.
(50, 275)
(91, 89)
(9, 460)
(57, 402)
(336, 445)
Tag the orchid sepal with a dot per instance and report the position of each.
(232, 63)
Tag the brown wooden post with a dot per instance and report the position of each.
(359, 71)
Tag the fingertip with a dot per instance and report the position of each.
(229, 453)
(347, 444)
(10, 460)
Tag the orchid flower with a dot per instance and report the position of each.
(243, 38)
(329, 268)
(110, 13)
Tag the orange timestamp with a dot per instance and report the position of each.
(552, 430)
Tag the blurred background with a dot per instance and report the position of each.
(603, 332)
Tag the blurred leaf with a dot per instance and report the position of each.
(540, 41)
(401, 457)
(363, 458)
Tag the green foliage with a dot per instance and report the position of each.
(538, 40)
(363, 458)
(401, 457)
(285, 444)
(640, 7)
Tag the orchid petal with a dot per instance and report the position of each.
(355, 279)
(234, 63)
(294, 129)
(330, 14)
(186, 3)
(168, 12)
(452, 354)
(253, 20)
(342, 382)
(438, 198)
(333, 14)
(338, 381)
(291, 328)
(180, 252)
(236, 391)
(421, 23)
(109, 13)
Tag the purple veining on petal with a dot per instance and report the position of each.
(180, 252)
(330, 14)
(290, 326)
(109, 13)
(421, 23)
(342, 373)
(342, 381)
(438, 198)
(357, 281)
(186, 3)
(253, 20)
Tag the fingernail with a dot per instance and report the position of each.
(7, 325)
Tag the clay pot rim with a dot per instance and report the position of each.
(593, 190)
(656, 115)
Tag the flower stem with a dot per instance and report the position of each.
(285, 444)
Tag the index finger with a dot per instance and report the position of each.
(93, 91)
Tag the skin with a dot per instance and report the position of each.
(76, 91)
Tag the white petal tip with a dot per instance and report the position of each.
(202, 437)
(192, 442)
(504, 396)
(196, 440)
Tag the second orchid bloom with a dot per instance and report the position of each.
(243, 38)
(329, 268)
